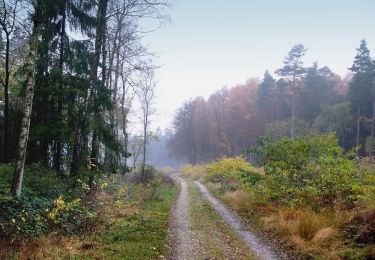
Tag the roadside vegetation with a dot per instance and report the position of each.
(308, 192)
(57, 218)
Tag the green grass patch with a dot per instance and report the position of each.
(217, 239)
(141, 234)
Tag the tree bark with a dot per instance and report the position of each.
(372, 130)
(6, 105)
(145, 127)
(358, 128)
(25, 124)
(293, 105)
(8, 30)
(58, 149)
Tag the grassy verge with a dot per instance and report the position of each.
(216, 239)
(126, 221)
(142, 233)
(327, 234)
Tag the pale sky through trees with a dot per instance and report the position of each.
(211, 44)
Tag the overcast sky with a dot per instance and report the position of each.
(214, 43)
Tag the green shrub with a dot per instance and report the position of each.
(308, 170)
(23, 217)
(48, 203)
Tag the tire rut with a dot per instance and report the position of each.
(183, 241)
(255, 245)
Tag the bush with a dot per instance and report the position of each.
(48, 204)
(194, 172)
(232, 172)
(310, 170)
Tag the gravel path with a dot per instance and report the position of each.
(256, 246)
(183, 241)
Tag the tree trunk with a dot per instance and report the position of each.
(124, 126)
(372, 130)
(293, 106)
(25, 124)
(101, 14)
(6, 137)
(58, 149)
(358, 128)
(145, 126)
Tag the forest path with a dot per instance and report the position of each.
(182, 240)
(252, 241)
(198, 232)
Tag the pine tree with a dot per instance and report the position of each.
(360, 93)
(265, 96)
(293, 71)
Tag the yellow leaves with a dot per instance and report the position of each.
(229, 166)
(59, 202)
(103, 185)
(193, 171)
(61, 206)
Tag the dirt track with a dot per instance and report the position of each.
(183, 241)
(201, 227)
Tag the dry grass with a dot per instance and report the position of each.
(53, 247)
(194, 172)
(238, 200)
(304, 229)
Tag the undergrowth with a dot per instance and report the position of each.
(308, 192)
(56, 218)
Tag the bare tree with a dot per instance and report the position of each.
(135, 148)
(146, 93)
(8, 12)
(126, 57)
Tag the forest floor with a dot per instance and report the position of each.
(201, 227)
(130, 221)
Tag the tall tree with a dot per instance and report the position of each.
(317, 92)
(360, 87)
(81, 127)
(8, 11)
(58, 144)
(28, 100)
(373, 108)
(265, 97)
(293, 71)
(146, 94)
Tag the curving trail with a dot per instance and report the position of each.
(256, 246)
(202, 228)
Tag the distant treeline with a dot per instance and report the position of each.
(301, 100)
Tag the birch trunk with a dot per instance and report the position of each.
(25, 124)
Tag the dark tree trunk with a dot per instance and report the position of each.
(101, 14)
(358, 128)
(6, 137)
(59, 146)
(372, 130)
